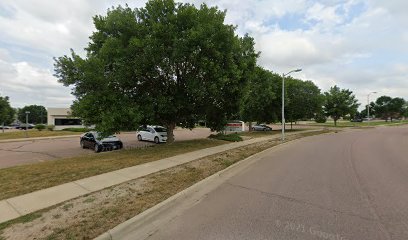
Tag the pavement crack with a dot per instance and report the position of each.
(21, 151)
(291, 199)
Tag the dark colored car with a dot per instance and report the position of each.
(25, 126)
(261, 127)
(92, 140)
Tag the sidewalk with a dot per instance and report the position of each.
(28, 203)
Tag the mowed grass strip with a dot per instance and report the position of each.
(33, 134)
(343, 124)
(89, 216)
(24, 179)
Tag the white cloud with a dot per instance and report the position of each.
(356, 44)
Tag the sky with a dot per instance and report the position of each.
(361, 45)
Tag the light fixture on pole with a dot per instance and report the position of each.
(368, 105)
(283, 101)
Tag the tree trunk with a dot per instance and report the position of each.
(250, 126)
(170, 132)
(3, 127)
(291, 125)
(335, 122)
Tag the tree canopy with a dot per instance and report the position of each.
(303, 100)
(6, 111)
(167, 63)
(37, 115)
(387, 107)
(259, 102)
(339, 103)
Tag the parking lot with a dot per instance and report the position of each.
(32, 151)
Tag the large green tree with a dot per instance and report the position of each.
(339, 103)
(259, 102)
(387, 107)
(167, 63)
(303, 100)
(37, 115)
(6, 111)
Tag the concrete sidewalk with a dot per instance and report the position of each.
(28, 203)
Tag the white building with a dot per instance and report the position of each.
(62, 118)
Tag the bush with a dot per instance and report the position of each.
(76, 129)
(50, 127)
(234, 137)
(39, 127)
(320, 118)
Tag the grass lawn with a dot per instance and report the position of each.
(23, 179)
(89, 216)
(33, 134)
(341, 124)
(256, 134)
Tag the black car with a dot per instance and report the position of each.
(92, 140)
(261, 127)
(356, 120)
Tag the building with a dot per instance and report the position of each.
(61, 118)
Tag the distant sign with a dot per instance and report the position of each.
(235, 126)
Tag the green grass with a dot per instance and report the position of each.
(342, 124)
(20, 134)
(24, 179)
(255, 134)
(233, 137)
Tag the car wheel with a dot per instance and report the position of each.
(139, 137)
(156, 140)
(97, 148)
(82, 144)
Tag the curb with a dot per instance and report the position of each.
(146, 223)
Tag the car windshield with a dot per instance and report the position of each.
(160, 129)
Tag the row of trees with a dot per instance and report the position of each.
(387, 108)
(172, 63)
(38, 114)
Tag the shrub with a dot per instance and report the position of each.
(234, 137)
(76, 129)
(320, 118)
(50, 127)
(39, 127)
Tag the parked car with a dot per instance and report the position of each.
(5, 127)
(157, 134)
(92, 140)
(25, 126)
(261, 127)
(356, 120)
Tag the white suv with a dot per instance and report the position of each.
(156, 134)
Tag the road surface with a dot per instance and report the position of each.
(32, 151)
(349, 185)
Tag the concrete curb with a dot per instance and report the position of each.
(146, 223)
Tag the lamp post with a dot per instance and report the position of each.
(368, 105)
(26, 133)
(283, 101)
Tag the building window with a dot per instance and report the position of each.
(67, 121)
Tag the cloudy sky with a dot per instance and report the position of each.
(361, 45)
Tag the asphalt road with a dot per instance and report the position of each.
(349, 185)
(32, 151)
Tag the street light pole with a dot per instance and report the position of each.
(368, 105)
(26, 133)
(283, 101)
